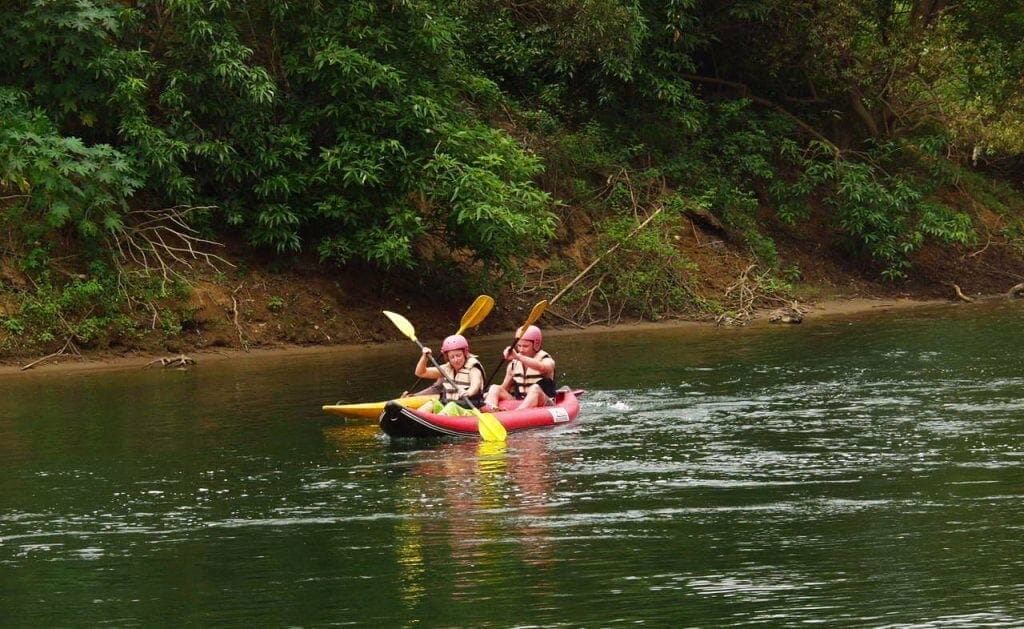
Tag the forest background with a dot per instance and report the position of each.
(183, 174)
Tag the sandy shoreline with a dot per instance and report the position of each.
(832, 308)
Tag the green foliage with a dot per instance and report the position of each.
(348, 128)
(84, 309)
(61, 184)
(13, 325)
(886, 216)
(351, 136)
(791, 274)
(730, 159)
(170, 322)
(50, 49)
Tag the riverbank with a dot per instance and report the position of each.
(836, 307)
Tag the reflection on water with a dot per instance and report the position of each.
(859, 472)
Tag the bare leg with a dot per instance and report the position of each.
(496, 394)
(535, 396)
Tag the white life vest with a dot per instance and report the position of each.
(523, 377)
(461, 377)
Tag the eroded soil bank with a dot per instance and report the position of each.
(852, 307)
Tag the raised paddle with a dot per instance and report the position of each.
(486, 424)
(476, 313)
(535, 314)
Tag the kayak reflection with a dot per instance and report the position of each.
(477, 506)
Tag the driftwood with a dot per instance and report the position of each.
(793, 313)
(69, 344)
(1016, 292)
(960, 294)
(181, 361)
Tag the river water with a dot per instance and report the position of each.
(859, 472)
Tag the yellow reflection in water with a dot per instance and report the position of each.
(409, 535)
(492, 457)
(341, 437)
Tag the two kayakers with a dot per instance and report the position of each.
(461, 378)
(530, 375)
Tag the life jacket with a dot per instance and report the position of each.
(461, 378)
(523, 377)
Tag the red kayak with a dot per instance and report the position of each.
(400, 421)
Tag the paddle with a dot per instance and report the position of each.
(486, 423)
(476, 313)
(535, 314)
(474, 316)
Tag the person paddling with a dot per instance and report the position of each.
(463, 386)
(530, 375)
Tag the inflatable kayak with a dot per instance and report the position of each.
(402, 421)
(372, 410)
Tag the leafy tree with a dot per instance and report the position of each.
(58, 186)
(357, 129)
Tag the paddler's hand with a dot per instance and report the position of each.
(510, 353)
(426, 351)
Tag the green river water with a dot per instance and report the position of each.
(858, 472)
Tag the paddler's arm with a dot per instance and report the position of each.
(422, 371)
(476, 383)
(507, 382)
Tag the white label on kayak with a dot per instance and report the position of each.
(559, 414)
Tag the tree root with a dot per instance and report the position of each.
(234, 307)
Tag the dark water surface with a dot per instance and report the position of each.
(864, 472)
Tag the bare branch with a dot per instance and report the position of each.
(162, 241)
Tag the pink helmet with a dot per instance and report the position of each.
(533, 334)
(453, 342)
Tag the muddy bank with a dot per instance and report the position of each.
(100, 360)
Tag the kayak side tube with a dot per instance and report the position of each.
(400, 421)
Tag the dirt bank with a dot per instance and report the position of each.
(108, 360)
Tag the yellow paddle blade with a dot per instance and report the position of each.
(402, 324)
(489, 427)
(535, 314)
(476, 313)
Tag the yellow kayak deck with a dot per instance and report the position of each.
(372, 410)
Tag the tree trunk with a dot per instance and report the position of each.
(857, 102)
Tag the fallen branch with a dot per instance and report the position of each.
(181, 361)
(590, 266)
(565, 318)
(63, 351)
